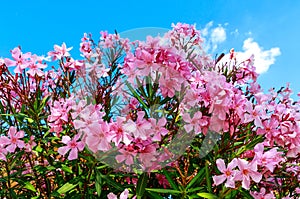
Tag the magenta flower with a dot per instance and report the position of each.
(13, 140)
(228, 173)
(72, 145)
(247, 170)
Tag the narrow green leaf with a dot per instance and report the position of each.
(66, 187)
(30, 187)
(207, 176)
(199, 176)
(170, 180)
(136, 95)
(98, 183)
(111, 182)
(141, 185)
(168, 191)
(207, 195)
(66, 169)
(154, 195)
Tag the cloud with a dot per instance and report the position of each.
(213, 36)
(263, 59)
(218, 35)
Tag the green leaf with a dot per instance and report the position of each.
(111, 182)
(207, 176)
(168, 191)
(66, 187)
(170, 180)
(199, 176)
(141, 185)
(98, 183)
(208, 195)
(136, 95)
(154, 195)
(29, 186)
(66, 169)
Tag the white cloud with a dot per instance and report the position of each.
(205, 30)
(218, 35)
(263, 59)
(213, 36)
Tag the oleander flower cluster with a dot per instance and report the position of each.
(158, 118)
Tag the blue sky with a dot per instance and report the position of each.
(268, 27)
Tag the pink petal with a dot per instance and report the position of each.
(246, 183)
(73, 154)
(63, 150)
(9, 62)
(230, 183)
(80, 145)
(20, 134)
(65, 139)
(256, 176)
(11, 148)
(20, 144)
(219, 179)
(112, 196)
(4, 140)
(221, 165)
(124, 194)
(12, 131)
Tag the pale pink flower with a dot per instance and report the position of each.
(30, 144)
(158, 128)
(228, 173)
(257, 114)
(124, 195)
(118, 132)
(127, 155)
(195, 123)
(13, 140)
(35, 65)
(60, 51)
(99, 137)
(73, 145)
(247, 170)
(262, 194)
(268, 159)
(21, 60)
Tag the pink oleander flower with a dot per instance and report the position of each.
(118, 132)
(35, 65)
(126, 155)
(73, 145)
(246, 171)
(228, 173)
(268, 159)
(158, 128)
(99, 137)
(59, 52)
(21, 61)
(194, 123)
(13, 140)
(30, 144)
(124, 195)
(140, 127)
(162, 180)
(262, 194)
